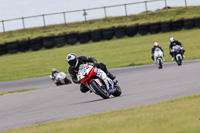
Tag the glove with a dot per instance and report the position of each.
(96, 64)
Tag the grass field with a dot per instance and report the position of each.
(115, 53)
(156, 16)
(174, 116)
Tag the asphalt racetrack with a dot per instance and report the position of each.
(141, 85)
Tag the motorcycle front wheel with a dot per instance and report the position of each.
(179, 61)
(118, 91)
(100, 91)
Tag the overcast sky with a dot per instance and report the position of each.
(21, 8)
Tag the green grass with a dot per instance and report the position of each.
(156, 16)
(115, 53)
(22, 90)
(174, 116)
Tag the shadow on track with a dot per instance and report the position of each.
(91, 101)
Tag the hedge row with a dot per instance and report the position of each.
(96, 35)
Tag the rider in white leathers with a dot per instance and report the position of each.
(156, 45)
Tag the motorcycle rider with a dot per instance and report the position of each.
(174, 42)
(156, 45)
(54, 72)
(74, 62)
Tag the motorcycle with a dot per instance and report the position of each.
(60, 79)
(97, 81)
(158, 58)
(178, 54)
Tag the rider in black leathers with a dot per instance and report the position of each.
(174, 42)
(74, 63)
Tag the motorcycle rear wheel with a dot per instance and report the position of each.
(67, 81)
(159, 64)
(100, 91)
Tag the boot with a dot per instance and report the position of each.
(111, 76)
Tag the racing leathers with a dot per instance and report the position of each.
(174, 43)
(153, 49)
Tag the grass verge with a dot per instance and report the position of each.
(174, 116)
(156, 16)
(115, 53)
(15, 91)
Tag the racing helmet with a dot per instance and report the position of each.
(54, 70)
(172, 39)
(72, 59)
(156, 44)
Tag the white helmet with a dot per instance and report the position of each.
(156, 44)
(53, 70)
(172, 39)
(72, 59)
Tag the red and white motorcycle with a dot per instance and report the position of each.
(97, 81)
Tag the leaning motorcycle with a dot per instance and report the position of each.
(60, 79)
(178, 54)
(97, 81)
(158, 58)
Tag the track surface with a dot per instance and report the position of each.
(140, 85)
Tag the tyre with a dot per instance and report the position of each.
(24, 45)
(166, 26)
(154, 28)
(60, 40)
(48, 42)
(36, 44)
(3, 49)
(84, 37)
(119, 32)
(12, 47)
(179, 61)
(160, 64)
(108, 33)
(177, 25)
(188, 24)
(118, 91)
(197, 22)
(101, 92)
(143, 29)
(67, 81)
(131, 30)
(96, 35)
(72, 38)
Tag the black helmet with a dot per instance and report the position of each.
(72, 59)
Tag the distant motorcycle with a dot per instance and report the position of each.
(60, 79)
(97, 81)
(158, 58)
(178, 54)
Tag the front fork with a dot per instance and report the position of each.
(108, 82)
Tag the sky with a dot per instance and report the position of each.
(10, 9)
